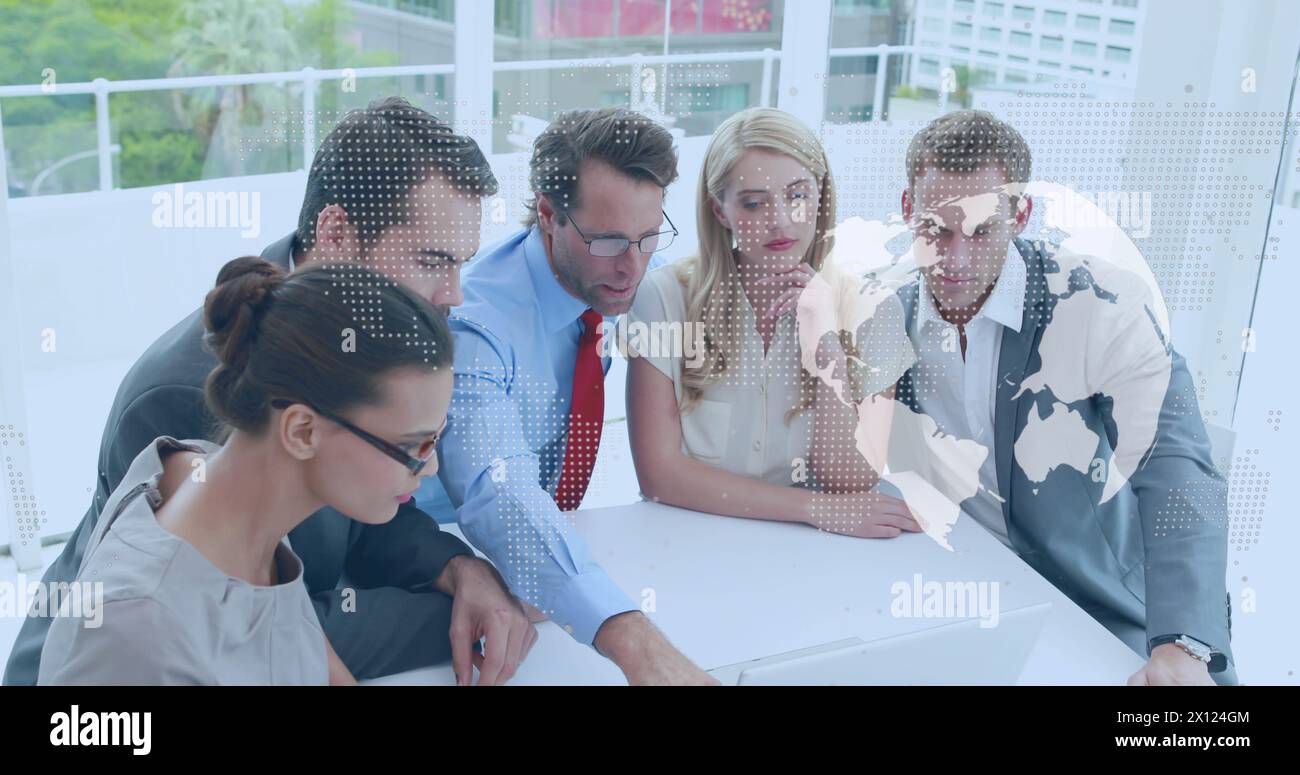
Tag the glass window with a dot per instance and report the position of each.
(1121, 27)
(1051, 43)
(239, 147)
(1088, 23)
(857, 7)
(994, 9)
(1020, 39)
(728, 98)
(856, 83)
(990, 34)
(162, 136)
(961, 29)
(854, 65)
(963, 6)
(1054, 18)
(691, 96)
(1119, 54)
(1022, 13)
(1082, 48)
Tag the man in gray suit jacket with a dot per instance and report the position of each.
(393, 188)
(1098, 472)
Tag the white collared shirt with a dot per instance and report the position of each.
(960, 396)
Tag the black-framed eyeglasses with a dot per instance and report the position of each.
(608, 247)
(414, 463)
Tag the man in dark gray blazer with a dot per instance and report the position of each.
(1060, 365)
(395, 189)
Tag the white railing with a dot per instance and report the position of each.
(309, 79)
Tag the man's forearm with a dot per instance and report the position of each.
(446, 581)
(631, 641)
(623, 638)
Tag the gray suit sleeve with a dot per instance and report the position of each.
(167, 410)
(1183, 500)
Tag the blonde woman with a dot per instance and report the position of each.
(757, 371)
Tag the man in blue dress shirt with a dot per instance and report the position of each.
(598, 178)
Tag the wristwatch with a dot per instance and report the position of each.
(1195, 649)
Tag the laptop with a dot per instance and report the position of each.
(957, 653)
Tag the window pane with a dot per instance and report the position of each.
(693, 97)
(238, 148)
(51, 144)
(855, 82)
(168, 136)
(1121, 27)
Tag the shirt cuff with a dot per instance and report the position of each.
(586, 601)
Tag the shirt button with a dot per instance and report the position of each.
(758, 445)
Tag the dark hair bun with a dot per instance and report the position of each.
(231, 313)
(232, 309)
(283, 336)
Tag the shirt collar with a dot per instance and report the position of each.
(1005, 305)
(559, 307)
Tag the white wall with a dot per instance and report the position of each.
(94, 270)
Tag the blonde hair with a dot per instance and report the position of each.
(711, 278)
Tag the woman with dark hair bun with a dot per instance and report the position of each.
(333, 386)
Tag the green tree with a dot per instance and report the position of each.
(226, 37)
(177, 135)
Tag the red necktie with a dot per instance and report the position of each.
(586, 416)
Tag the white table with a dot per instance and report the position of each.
(728, 590)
